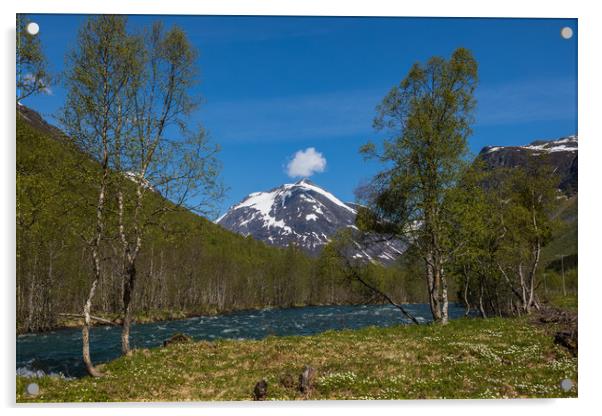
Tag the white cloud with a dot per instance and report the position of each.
(305, 163)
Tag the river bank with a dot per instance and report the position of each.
(59, 352)
(468, 358)
(68, 321)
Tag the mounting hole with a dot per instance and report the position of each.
(32, 28)
(566, 384)
(33, 389)
(566, 32)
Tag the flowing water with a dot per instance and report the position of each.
(59, 352)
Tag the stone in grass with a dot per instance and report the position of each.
(287, 381)
(306, 379)
(260, 391)
(177, 338)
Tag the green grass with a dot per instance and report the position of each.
(469, 358)
(565, 239)
(564, 302)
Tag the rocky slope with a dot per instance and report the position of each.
(561, 153)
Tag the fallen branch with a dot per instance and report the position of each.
(359, 278)
(96, 318)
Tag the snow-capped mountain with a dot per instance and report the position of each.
(561, 153)
(306, 215)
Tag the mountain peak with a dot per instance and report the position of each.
(302, 214)
(305, 181)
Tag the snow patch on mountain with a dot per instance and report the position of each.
(263, 202)
(305, 215)
(561, 153)
(564, 144)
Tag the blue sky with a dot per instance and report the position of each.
(275, 85)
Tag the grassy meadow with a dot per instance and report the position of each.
(468, 358)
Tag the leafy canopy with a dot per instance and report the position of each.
(427, 118)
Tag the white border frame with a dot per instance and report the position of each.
(590, 70)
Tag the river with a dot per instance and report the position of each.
(59, 352)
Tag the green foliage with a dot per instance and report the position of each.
(533, 191)
(428, 117)
(565, 302)
(371, 281)
(99, 68)
(474, 232)
(503, 220)
(49, 222)
(564, 240)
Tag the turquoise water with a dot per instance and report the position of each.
(59, 352)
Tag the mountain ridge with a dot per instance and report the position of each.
(562, 153)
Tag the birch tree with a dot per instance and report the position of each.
(475, 231)
(525, 219)
(99, 71)
(427, 118)
(501, 220)
(160, 154)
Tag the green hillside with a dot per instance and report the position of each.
(188, 265)
(560, 257)
(565, 239)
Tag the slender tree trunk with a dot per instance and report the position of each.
(494, 309)
(30, 302)
(481, 307)
(128, 290)
(444, 298)
(563, 281)
(433, 282)
(95, 262)
(87, 307)
(523, 289)
(536, 303)
(519, 295)
(49, 317)
(97, 275)
(465, 294)
(536, 256)
(532, 274)
(92, 370)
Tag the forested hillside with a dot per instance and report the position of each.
(188, 265)
(560, 253)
